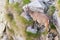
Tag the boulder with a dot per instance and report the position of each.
(56, 38)
(56, 20)
(35, 6)
(31, 30)
(5, 37)
(14, 1)
(2, 27)
(39, 0)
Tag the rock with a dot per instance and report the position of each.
(35, 6)
(11, 1)
(2, 27)
(51, 2)
(5, 37)
(55, 16)
(14, 1)
(39, 0)
(33, 0)
(1, 17)
(32, 30)
(56, 38)
(46, 0)
(26, 16)
(56, 21)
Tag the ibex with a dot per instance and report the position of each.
(41, 18)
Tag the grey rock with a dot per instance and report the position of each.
(56, 21)
(32, 30)
(55, 18)
(2, 27)
(5, 37)
(40, 0)
(56, 38)
(35, 6)
(14, 1)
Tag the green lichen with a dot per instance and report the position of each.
(31, 36)
(11, 20)
(17, 8)
(45, 33)
(26, 1)
(52, 26)
(51, 10)
(24, 21)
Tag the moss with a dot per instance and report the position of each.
(14, 26)
(16, 5)
(17, 8)
(24, 21)
(58, 1)
(9, 17)
(26, 1)
(7, 1)
(11, 31)
(11, 21)
(51, 10)
(31, 36)
(28, 38)
(52, 26)
(45, 33)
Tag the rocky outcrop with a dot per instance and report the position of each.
(35, 6)
(56, 21)
(2, 20)
(19, 31)
(56, 16)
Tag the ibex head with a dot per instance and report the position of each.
(29, 10)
